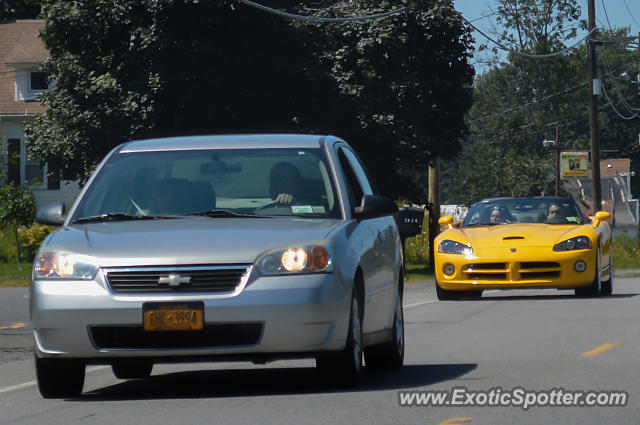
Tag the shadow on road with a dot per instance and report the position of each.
(549, 297)
(272, 381)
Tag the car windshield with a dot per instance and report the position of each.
(212, 183)
(524, 210)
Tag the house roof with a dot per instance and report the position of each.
(19, 44)
(614, 167)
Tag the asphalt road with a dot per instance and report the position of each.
(537, 341)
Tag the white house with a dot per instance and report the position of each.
(21, 53)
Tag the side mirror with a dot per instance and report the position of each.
(52, 214)
(373, 206)
(446, 220)
(600, 217)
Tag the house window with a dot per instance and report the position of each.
(39, 81)
(34, 170)
(26, 169)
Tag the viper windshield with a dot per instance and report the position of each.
(524, 210)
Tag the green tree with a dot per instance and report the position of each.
(17, 208)
(410, 80)
(19, 9)
(396, 88)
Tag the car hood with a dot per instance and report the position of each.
(533, 235)
(185, 241)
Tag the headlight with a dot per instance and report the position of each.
(580, 242)
(315, 258)
(453, 247)
(64, 265)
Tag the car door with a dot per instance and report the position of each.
(379, 257)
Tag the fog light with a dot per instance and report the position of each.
(449, 269)
(580, 266)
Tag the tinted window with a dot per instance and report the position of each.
(247, 181)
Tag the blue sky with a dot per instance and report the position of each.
(617, 11)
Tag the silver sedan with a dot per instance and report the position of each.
(255, 248)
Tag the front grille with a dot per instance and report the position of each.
(213, 335)
(486, 266)
(539, 275)
(212, 279)
(538, 265)
(488, 276)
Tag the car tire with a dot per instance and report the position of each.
(59, 378)
(345, 367)
(132, 369)
(389, 355)
(596, 287)
(446, 295)
(607, 286)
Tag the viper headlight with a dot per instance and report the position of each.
(453, 247)
(312, 258)
(64, 265)
(579, 242)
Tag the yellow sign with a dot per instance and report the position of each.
(574, 164)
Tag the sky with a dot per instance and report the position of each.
(616, 10)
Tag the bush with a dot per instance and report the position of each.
(8, 250)
(31, 238)
(626, 252)
(416, 249)
(17, 208)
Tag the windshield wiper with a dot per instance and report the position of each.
(226, 213)
(119, 217)
(484, 224)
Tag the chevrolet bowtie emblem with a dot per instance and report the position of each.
(173, 280)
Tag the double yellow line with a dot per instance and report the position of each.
(16, 325)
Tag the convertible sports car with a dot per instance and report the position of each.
(516, 243)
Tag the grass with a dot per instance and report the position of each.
(417, 272)
(626, 252)
(11, 275)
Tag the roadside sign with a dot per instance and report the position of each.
(574, 164)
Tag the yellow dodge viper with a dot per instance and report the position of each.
(513, 243)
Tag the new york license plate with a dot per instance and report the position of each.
(173, 316)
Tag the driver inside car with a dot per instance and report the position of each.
(284, 183)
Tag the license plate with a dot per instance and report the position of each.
(173, 317)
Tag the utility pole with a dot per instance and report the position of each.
(557, 161)
(433, 207)
(593, 112)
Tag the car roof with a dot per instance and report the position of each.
(238, 141)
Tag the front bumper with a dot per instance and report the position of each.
(500, 268)
(297, 314)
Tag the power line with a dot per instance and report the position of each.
(606, 14)
(319, 20)
(527, 55)
(485, 16)
(630, 14)
(513, 108)
(615, 87)
(635, 115)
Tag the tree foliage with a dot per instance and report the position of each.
(17, 208)
(520, 102)
(396, 88)
(19, 9)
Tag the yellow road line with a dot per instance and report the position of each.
(456, 421)
(600, 349)
(17, 325)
